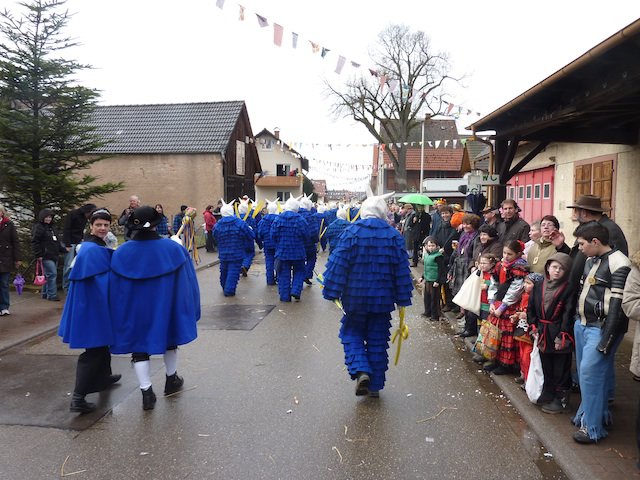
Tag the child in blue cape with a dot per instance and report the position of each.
(264, 234)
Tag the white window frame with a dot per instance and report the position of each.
(537, 191)
(520, 192)
(529, 192)
(546, 186)
(512, 192)
(240, 158)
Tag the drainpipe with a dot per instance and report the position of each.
(490, 192)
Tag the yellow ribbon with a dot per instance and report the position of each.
(402, 333)
(356, 217)
(257, 209)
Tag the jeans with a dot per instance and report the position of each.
(597, 380)
(4, 290)
(50, 289)
(68, 258)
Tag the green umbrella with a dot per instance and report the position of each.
(416, 198)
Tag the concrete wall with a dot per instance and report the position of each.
(170, 179)
(626, 191)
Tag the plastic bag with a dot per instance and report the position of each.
(535, 378)
(468, 297)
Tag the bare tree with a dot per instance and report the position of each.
(406, 86)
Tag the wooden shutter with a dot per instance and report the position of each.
(603, 181)
(582, 180)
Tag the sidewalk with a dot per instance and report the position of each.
(612, 458)
(32, 317)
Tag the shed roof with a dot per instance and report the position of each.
(167, 128)
(445, 159)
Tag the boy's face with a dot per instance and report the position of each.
(555, 270)
(485, 265)
(100, 228)
(431, 247)
(528, 285)
(588, 248)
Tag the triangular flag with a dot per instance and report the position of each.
(393, 85)
(437, 142)
(241, 13)
(315, 48)
(355, 65)
(429, 143)
(373, 72)
(340, 65)
(220, 4)
(324, 52)
(277, 34)
(383, 80)
(449, 108)
(294, 40)
(262, 21)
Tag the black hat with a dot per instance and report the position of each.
(144, 217)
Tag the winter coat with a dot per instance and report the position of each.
(631, 308)
(540, 252)
(9, 246)
(45, 241)
(493, 246)
(514, 229)
(289, 233)
(548, 321)
(74, 226)
(234, 238)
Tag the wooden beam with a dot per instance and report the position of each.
(626, 136)
(527, 158)
(508, 158)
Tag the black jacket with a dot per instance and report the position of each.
(45, 241)
(74, 226)
(9, 247)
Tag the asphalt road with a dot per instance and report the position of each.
(271, 402)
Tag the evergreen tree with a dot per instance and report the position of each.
(45, 138)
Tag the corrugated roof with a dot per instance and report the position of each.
(167, 128)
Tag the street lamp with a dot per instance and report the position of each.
(422, 157)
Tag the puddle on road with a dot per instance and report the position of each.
(542, 458)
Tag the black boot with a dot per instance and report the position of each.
(362, 384)
(173, 383)
(80, 405)
(148, 399)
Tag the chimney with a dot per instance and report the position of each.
(276, 132)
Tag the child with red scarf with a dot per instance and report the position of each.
(509, 274)
(521, 333)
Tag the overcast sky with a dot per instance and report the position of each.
(162, 51)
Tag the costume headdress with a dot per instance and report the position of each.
(375, 206)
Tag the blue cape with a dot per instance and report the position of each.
(153, 295)
(85, 321)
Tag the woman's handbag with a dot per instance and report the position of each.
(488, 341)
(468, 297)
(535, 378)
(40, 279)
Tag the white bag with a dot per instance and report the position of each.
(535, 377)
(468, 297)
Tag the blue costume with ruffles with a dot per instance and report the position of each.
(160, 271)
(369, 272)
(289, 232)
(82, 324)
(264, 234)
(250, 253)
(334, 230)
(310, 245)
(234, 239)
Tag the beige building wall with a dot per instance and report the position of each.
(626, 195)
(170, 179)
(269, 158)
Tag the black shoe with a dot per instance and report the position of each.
(466, 334)
(308, 281)
(53, 299)
(581, 436)
(244, 271)
(362, 384)
(554, 407)
(545, 398)
(115, 378)
(173, 383)
(434, 319)
(80, 405)
(148, 399)
(489, 366)
(229, 294)
(501, 370)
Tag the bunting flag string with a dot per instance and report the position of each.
(451, 110)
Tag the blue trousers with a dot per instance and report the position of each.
(596, 373)
(290, 278)
(4, 290)
(229, 275)
(248, 258)
(68, 258)
(311, 262)
(365, 339)
(269, 259)
(50, 289)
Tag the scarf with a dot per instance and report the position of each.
(3, 222)
(465, 240)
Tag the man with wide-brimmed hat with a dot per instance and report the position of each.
(491, 215)
(588, 208)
